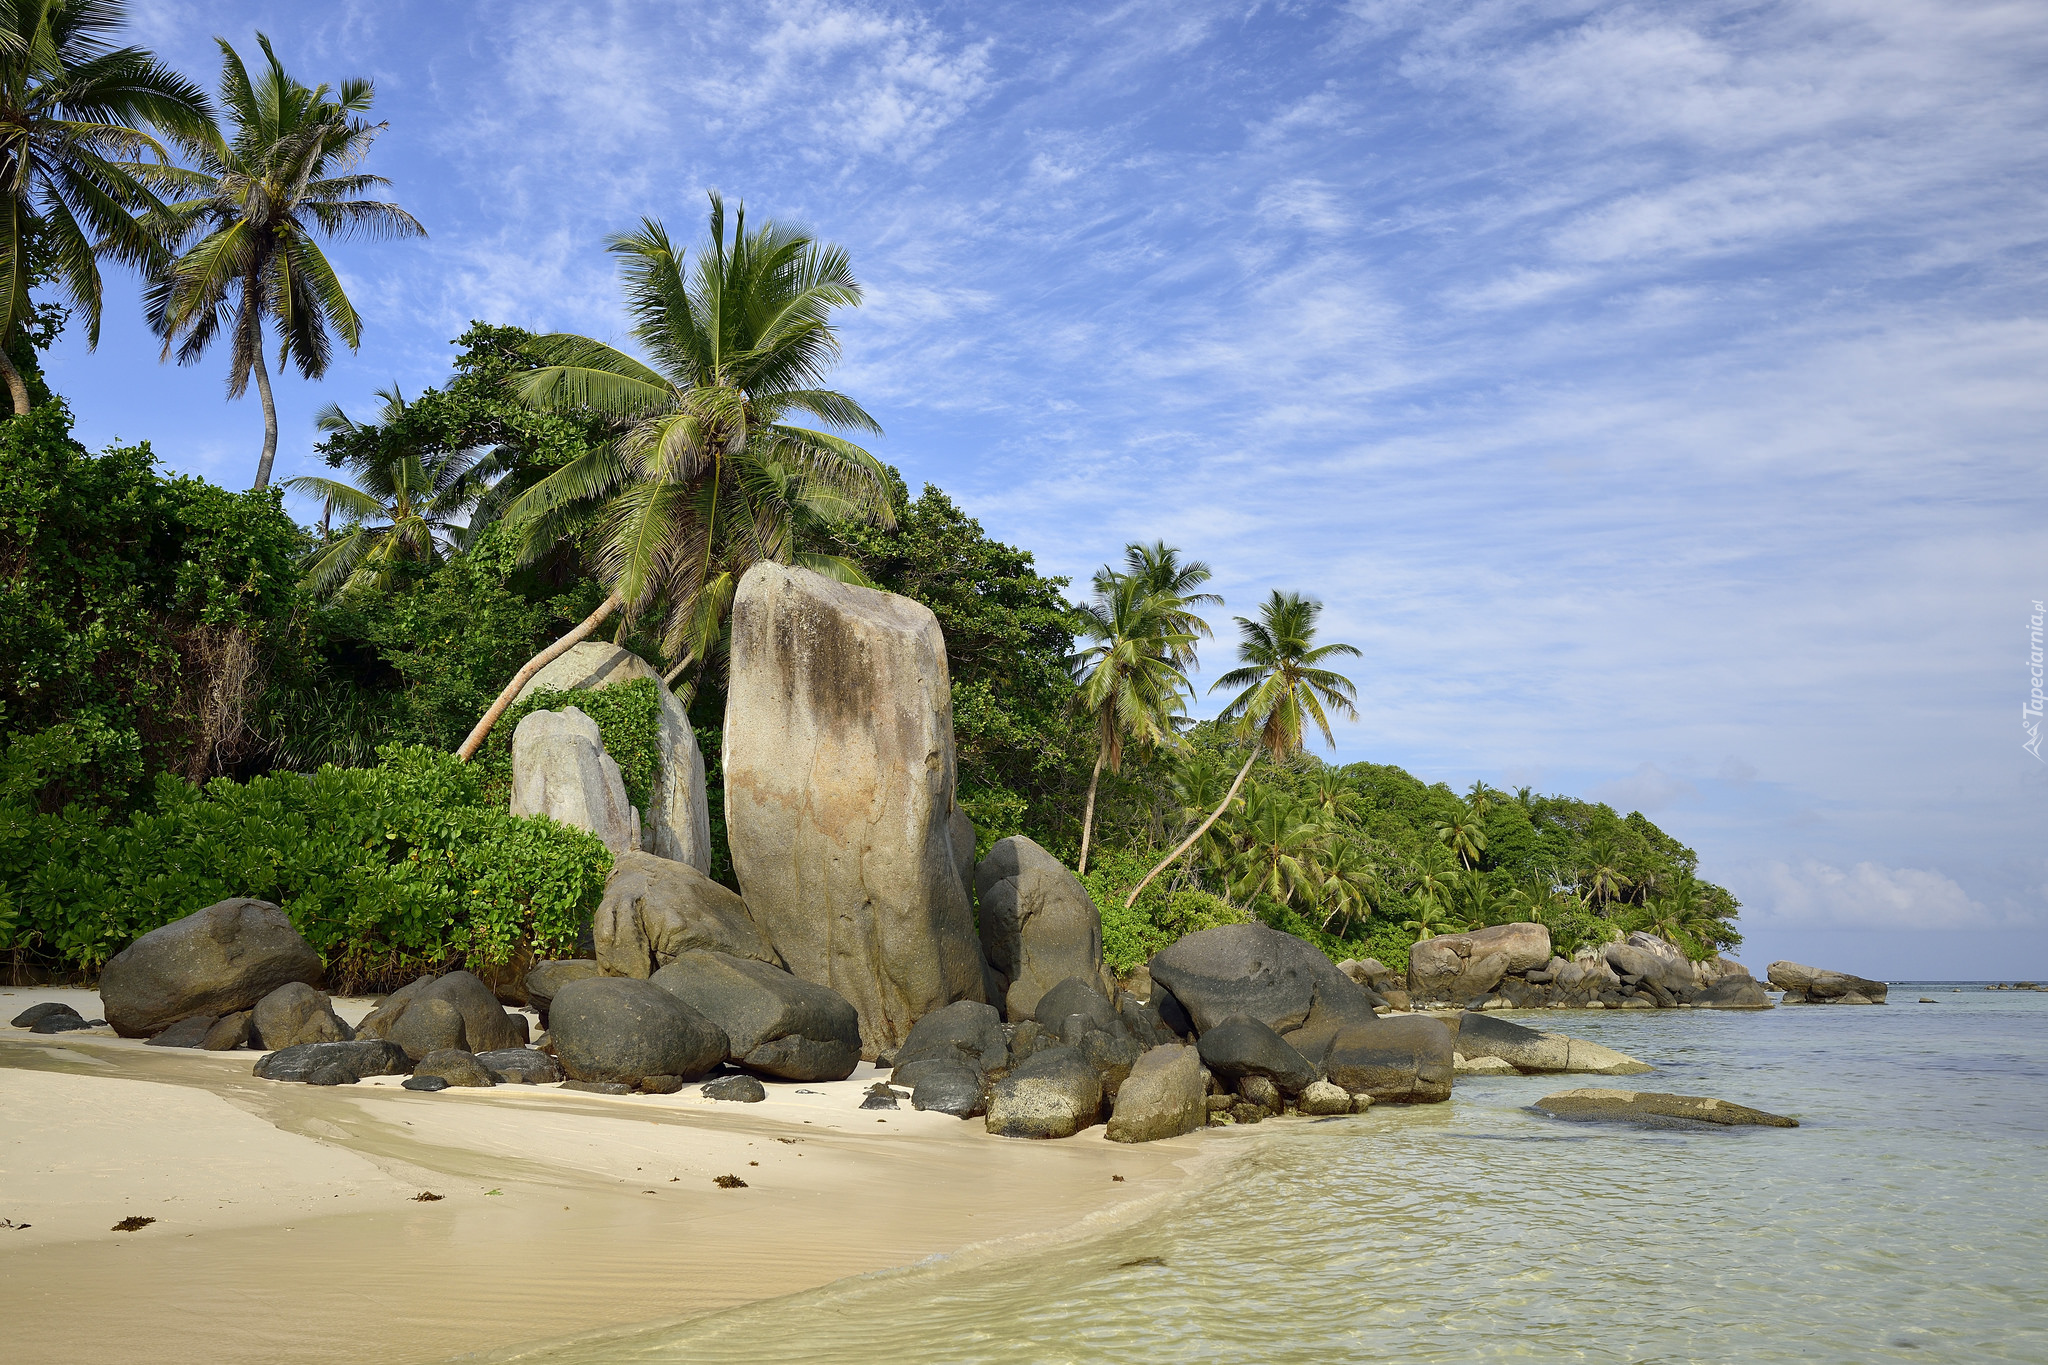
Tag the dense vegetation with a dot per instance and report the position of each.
(205, 699)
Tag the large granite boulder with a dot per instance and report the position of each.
(1811, 986)
(296, 1013)
(560, 770)
(1054, 1094)
(1733, 993)
(212, 962)
(1649, 958)
(543, 979)
(966, 1031)
(1531, 1051)
(655, 909)
(775, 1023)
(1279, 980)
(624, 1031)
(465, 1014)
(334, 1063)
(1460, 966)
(1164, 1096)
(839, 795)
(1242, 1046)
(1039, 926)
(949, 1088)
(677, 822)
(1405, 1059)
(1075, 995)
(1656, 1110)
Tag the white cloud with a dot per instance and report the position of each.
(1813, 894)
(1648, 789)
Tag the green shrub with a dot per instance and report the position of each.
(628, 717)
(386, 871)
(1162, 915)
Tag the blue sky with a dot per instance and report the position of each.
(1655, 393)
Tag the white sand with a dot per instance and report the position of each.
(287, 1229)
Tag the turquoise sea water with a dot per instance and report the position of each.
(1907, 1219)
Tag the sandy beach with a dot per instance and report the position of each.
(288, 1226)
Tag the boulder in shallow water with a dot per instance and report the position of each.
(621, 1030)
(1163, 1097)
(363, 1057)
(654, 910)
(1403, 1059)
(839, 795)
(1054, 1094)
(29, 1017)
(1637, 1106)
(1529, 1050)
(560, 770)
(1733, 993)
(1322, 1098)
(1283, 982)
(296, 1013)
(775, 1023)
(1818, 986)
(212, 962)
(1461, 966)
(1039, 925)
(1241, 1047)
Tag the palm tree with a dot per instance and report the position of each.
(1283, 688)
(707, 474)
(402, 508)
(72, 107)
(1431, 919)
(1462, 834)
(1351, 882)
(1198, 782)
(1281, 847)
(1603, 876)
(1158, 566)
(263, 188)
(1129, 685)
(1333, 797)
(1479, 800)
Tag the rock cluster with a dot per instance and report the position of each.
(1511, 966)
(1817, 986)
(212, 962)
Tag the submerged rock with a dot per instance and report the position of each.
(1649, 1107)
(212, 962)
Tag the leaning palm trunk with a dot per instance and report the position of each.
(1200, 830)
(1088, 816)
(15, 385)
(533, 666)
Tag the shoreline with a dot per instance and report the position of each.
(287, 1227)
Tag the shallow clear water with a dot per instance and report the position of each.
(1907, 1219)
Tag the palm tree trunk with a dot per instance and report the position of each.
(1202, 829)
(15, 384)
(269, 423)
(1088, 816)
(533, 666)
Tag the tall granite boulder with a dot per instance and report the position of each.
(1458, 967)
(1802, 985)
(677, 822)
(628, 1032)
(1039, 925)
(775, 1023)
(215, 961)
(839, 795)
(1163, 1097)
(655, 909)
(560, 770)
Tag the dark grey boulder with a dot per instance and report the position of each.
(521, 1066)
(1171, 1012)
(185, 1033)
(364, 1057)
(1163, 1097)
(543, 979)
(1733, 993)
(430, 1024)
(29, 1017)
(1054, 1094)
(1112, 1055)
(738, 1089)
(1075, 995)
(457, 1068)
(1242, 1046)
(623, 1029)
(1283, 982)
(1027, 1039)
(965, 1031)
(428, 1083)
(1039, 926)
(212, 962)
(1404, 1059)
(61, 1023)
(774, 1023)
(486, 1026)
(296, 1013)
(948, 1087)
(231, 1031)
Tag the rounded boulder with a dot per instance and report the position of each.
(624, 1030)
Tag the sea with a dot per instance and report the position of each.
(1905, 1219)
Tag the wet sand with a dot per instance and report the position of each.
(287, 1227)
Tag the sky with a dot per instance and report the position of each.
(1656, 394)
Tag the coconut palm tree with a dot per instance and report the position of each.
(1160, 568)
(1335, 799)
(1280, 845)
(1462, 834)
(1431, 919)
(1284, 687)
(1129, 685)
(72, 112)
(1351, 882)
(1198, 782)
(261, 189)
(403, 507)
(707, 472)
(1603, 875)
